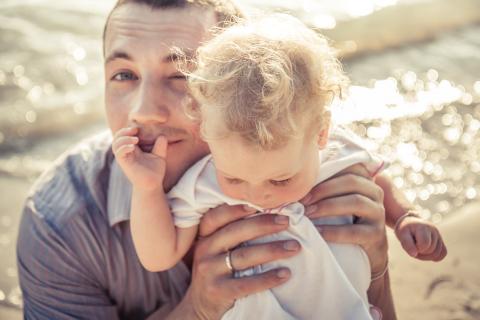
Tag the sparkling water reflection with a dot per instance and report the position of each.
(435, 156)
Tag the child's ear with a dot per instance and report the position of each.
(323, 134)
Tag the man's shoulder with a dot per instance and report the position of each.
(76, 182)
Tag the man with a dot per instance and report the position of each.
(75, 254)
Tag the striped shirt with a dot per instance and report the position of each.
(76, 257)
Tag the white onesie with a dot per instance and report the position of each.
(329, 281)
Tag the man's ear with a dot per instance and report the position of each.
(323, 134)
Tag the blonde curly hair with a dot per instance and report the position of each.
(267, 80)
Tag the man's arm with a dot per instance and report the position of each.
(380, 295)
(55, 284)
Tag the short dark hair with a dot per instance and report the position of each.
(227, 11)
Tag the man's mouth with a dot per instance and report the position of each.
(147, 146)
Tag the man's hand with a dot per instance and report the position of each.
(144, 170)
(213, 289)
(421, 239)
(352, 192)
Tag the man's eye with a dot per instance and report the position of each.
(233, 180)
(281, 182)
(124, 76)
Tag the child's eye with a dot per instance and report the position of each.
(280, 182)
(178, 76)
(233, 180)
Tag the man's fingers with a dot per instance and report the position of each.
(350, 234)
(220, 216)
(243, 230)
(344, 185)
(408, 243)
(350, 204)
(160, 147)
(241, 287)
(246, 257)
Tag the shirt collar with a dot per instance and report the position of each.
(119, 196)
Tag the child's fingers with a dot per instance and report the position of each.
(443, 252)
(122, 141)
(160, 147)
(423, 239)
(440, 250)
(428, 251)
(438, 254)
(128, 131)
(124, 150)
(408, 243)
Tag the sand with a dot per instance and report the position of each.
(449, 289)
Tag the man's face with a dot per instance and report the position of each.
(143, 87)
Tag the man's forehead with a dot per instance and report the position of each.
(184, 27)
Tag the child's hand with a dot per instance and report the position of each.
(144, 170)
(421, 239)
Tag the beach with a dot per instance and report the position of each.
(449, 289)
(415, 96)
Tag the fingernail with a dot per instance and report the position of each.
(310, 209)
(283, 273)
(249, 209)
(306, 199)
(281, 220)
(291, 246)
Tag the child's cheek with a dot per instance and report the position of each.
(231, 190)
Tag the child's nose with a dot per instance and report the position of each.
(258, 196)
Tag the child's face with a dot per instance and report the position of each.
(267, 179)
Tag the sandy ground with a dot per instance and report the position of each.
(422, 290)
(446, 290)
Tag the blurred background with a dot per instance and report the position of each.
(415, 72)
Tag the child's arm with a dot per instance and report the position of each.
(158, 243)
(419, 238)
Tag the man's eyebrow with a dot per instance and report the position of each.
(118, 55)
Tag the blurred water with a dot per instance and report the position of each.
(51, 66)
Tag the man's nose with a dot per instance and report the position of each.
(150, 104)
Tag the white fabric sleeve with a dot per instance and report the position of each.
(195, 193)
(345, 149)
